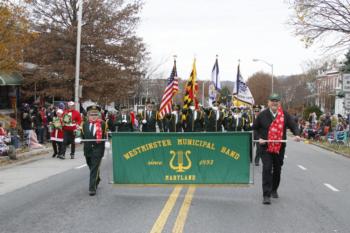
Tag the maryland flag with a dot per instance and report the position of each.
(191, 89)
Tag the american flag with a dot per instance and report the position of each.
(170, 90)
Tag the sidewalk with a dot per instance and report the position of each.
(36, 166)
(24, 156)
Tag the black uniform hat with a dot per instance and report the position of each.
(92, 109)
(216, 102)
(149, 102)
(257, 108)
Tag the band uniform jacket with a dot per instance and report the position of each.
(234, 123)
(175, 122)
(248, 121)
(93, 148)
(152, 119)
(166, 122)
(122, 125)
(214, 121)
(194, 121)
(263, 121)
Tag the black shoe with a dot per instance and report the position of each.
(267, 200)
(54, 155)
(98, 181)
(92, 193)
(257, 164)
(274, 194)
(72, 156)
(61, 157)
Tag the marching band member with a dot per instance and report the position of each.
(214, 119)
(175, 121)
(124, 122)
(149, 118)
(94, 129)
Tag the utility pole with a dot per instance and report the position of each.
(77, 62)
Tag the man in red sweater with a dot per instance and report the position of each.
(71, 121)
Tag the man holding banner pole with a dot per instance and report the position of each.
(270, 127)
(94, 133)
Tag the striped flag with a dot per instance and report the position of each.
(191, 89)
(242, 94)
(170, 91)
(215, 84)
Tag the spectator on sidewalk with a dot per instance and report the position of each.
(13, 133)
(2, 130)
(26, 124)
(38, 125)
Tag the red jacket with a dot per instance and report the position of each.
(71, 119)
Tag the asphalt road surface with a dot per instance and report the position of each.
(51, 195)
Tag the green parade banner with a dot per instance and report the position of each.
(181, 158)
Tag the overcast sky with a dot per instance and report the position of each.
(232, 29)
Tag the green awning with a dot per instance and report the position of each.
(10, 79)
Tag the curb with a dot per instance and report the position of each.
(32, 153)
(24, 157)
(329, 149)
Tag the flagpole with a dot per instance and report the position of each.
(172, 97)
(203, 101)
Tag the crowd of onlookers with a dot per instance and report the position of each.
(31, 130)
(326, 127)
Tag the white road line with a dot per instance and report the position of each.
(302, 168)
(84, 165)
(331, 187)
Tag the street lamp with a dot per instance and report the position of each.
(269, 64)
(77, 62)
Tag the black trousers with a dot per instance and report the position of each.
(57, 147)
(94, 162)
(68, 138)
(272, 166)
(257, 153)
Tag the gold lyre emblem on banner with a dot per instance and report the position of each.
(179, 165)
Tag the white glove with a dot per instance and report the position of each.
(77, 140)
(107, 145)
(144, 121)
(124, 121)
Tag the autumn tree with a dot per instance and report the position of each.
(294, 91)
(112, 56)
(320, 19)
(14, 36)
(260, 87)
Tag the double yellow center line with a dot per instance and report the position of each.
(169, 205)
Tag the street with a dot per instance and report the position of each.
(51, 195)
